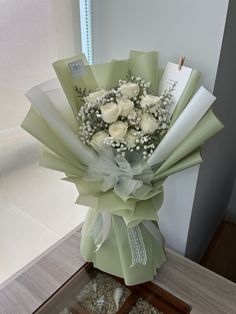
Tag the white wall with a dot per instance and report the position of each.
(184, 27)
(191, 28)
(33, 35)
(37, 209)
(218, 172)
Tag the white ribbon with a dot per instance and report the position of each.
(95, 228)
(126, 177)
(100, 228)
(106, 223)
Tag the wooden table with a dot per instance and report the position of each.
(204, 290)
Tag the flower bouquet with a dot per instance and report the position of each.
(127, 127)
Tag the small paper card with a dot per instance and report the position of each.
(172, 75)
(77, 68)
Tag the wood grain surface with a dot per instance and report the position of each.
(204, 290)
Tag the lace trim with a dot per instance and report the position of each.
(137, 246)
(135, 238)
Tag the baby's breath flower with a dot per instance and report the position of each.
(130, 92)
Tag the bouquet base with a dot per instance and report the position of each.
(114, 256)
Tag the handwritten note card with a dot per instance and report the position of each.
(171, 75)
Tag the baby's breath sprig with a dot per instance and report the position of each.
(90, 121)
(120, 146)
(111, 96)
(126, 118)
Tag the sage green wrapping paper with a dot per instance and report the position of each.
(67, 81)
(145, 65)
(114, 256)
(55, 126)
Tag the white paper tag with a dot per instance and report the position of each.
(77, 68)
(171, 75)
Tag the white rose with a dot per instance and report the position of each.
(98, 140)
(126, 106)
(129, 90)
(110, 112)
(148, 123)
(118, 130)
(150, 100)
(131, 137)
(95, 96)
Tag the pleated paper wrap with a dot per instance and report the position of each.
(120, 234)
